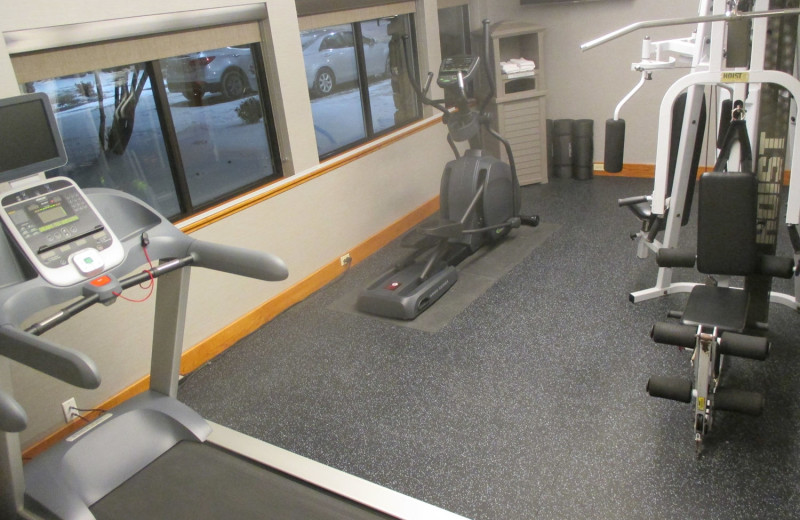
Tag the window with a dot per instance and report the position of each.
(357, 80)
(180, 133)
(454, 36)
(217, 115)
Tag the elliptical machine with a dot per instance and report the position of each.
(479, 199)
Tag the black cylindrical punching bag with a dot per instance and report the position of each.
(615, 143)
(583, 149)
(562, 148)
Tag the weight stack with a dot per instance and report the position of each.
(562, 148)
(583, 149)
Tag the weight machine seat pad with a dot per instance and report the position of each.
(642, 210)
(726, 224)
(721, 307)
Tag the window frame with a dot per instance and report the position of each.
(169, 137)
(173, 149)
(363, 85)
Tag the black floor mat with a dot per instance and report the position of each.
(476, 275)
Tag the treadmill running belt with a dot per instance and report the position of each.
(195, 481)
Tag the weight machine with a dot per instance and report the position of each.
(666, 208)
(738, 213)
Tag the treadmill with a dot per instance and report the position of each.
(152, 457)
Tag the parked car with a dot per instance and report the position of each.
(330, 59)
(228, 71)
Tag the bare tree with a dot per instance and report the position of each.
(128, 88)
(128, 85)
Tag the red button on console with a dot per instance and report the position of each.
(101, 281)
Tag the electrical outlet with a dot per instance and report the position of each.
(67, 406)
(345, 259)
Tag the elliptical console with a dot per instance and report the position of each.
(465, 64)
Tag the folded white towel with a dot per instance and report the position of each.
(522, 61)
(509, 68)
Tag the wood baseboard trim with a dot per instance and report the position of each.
(217, 343)
(641, 171)
(648, 171)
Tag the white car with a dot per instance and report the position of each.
(330, 58)
(228, 71)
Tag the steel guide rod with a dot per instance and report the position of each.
(666, 22)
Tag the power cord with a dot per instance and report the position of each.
(75, 413)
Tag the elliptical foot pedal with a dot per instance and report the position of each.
(674, 388)
(531, 221)
(402, 295)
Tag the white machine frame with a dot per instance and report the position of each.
(707, 59)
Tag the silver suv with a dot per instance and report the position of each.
(330, 58)
(228, 71)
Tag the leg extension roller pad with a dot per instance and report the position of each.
(675, 388)
(751, 347)
(674, 334)
(741, 401)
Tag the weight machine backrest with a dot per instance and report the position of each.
(726, 224)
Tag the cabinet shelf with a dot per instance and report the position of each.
(517, 75)
(517, 40)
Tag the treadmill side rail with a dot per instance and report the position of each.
(369, 494)
(69, 477)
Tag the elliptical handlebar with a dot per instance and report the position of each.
(487, 69)
(461, 87)
(421, 94)
(484, 119)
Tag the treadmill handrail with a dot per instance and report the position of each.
(238, 260)
(64, 364)
(235, 260)
(13, 418)
(19, 301)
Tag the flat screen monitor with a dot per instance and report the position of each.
(29, 139)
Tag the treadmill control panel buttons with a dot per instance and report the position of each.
(60, 231)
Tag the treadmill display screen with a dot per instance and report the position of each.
(29, 138)
(50, 214)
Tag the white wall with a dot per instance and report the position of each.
(588, 85)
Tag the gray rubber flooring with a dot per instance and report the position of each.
(530, 403)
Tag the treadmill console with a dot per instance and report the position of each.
(60, 231)
(466, 64)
